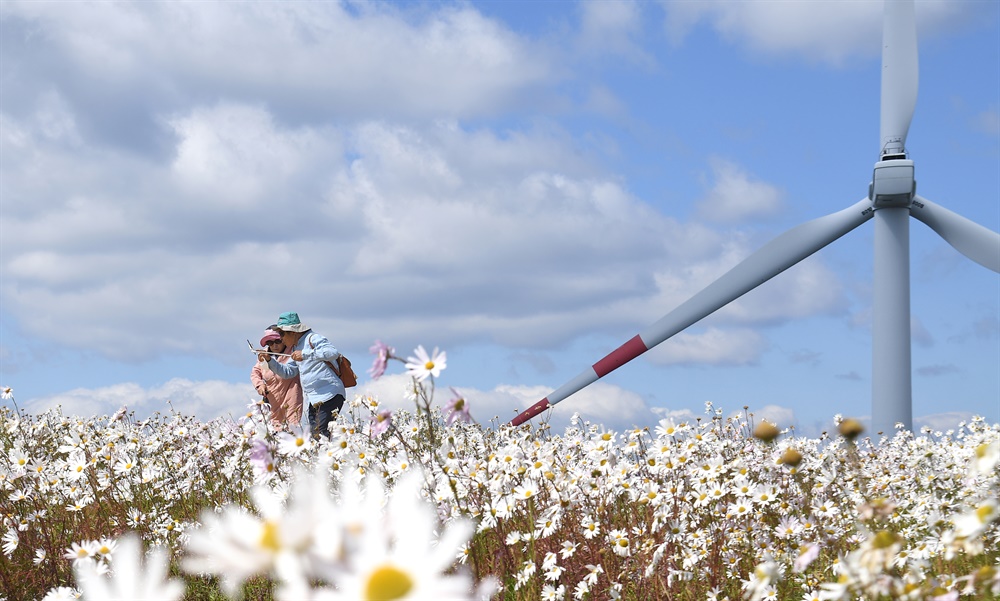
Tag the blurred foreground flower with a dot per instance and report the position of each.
(987, 455)
(363, 547)
(381, 422)
(128, 579)
(400, 556)
(974, 522)
(424, 365)
(238, 544)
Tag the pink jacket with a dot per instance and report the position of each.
(285, 396)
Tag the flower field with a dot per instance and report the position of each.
(429, 505)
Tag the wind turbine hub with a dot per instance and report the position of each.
(892, 183)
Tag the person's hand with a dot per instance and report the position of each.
(263, 357)
(262, 391)
(296, 355)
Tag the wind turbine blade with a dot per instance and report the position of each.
(899, 74)
(980, 244)
(774, 257)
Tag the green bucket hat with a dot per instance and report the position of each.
(289, 322)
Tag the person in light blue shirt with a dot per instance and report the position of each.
(311, 359)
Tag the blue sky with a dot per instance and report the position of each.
(525, 185)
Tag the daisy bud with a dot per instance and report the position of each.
(790, 457)
(885, 539)
(766, 431)
(850, 428)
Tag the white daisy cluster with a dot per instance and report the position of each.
(427, 509)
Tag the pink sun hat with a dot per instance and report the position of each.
(269, 335)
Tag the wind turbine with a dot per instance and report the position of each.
(891, 200)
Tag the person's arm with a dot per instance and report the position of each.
(285, 371)
(319, 348)
(257, 378)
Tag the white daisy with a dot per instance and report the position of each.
(10, 540)
(81, 551)
(526, 491)
(62, 593)
(423, 365)
(293, 443)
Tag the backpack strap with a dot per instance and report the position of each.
(332, 365)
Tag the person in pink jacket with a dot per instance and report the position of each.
(284, 396)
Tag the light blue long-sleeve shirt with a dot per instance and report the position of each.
(319, 382)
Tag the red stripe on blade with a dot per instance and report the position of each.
(620, 356)
(530, 412)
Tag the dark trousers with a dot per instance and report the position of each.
(321, 415)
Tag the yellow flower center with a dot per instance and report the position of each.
(300, 441)
(387, 583)
(884, 539)
(983, 513)
(429, 365)
(269, 537)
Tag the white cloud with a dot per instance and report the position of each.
(331, 57)
(783, 417)
(533, 242)
(238, 190)
(829, 31)
(55, 120)
(736, 196)
(206, 400)
(601, 403)
(611, 29)
(234, 155)
(677, 415)
(713, 347)
(941, 422)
